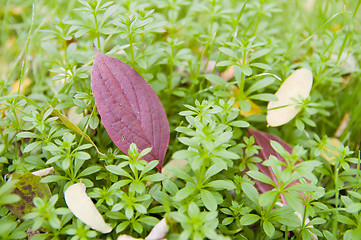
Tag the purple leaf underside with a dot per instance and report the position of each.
(129, 108)
(263, 140)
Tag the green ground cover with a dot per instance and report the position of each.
(215, 66)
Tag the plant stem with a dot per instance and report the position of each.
(96, 29)
(26, 51)
(87, 125)
(334, 225)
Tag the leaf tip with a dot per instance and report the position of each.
(95, 49)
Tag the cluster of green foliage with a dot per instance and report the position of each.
(180, 47)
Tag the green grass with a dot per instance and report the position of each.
(181, 48)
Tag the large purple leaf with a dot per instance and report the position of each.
(263, 140)
(129, 108)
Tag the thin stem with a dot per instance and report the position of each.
(304, 218)
(96, 29)
(358, 169)
(171, 68)
(335, 222)
(26, 50)
(87, 125)
(131, 51)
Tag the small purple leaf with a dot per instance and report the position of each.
(129, 108)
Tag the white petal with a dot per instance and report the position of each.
(298, 84)
(44, 172)
(159, 230)
(127, 237)
(84, 209)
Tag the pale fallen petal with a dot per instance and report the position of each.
(159, 230)
(84, 209)
(44, 172)
(297, 85)
(127, 237)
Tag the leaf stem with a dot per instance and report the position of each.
(334, 226)
(26, 50)
(96, 28)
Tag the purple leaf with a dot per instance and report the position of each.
(263, 140)
(129, 108)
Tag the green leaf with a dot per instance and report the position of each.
(221, 184)
(268, 228)
(294, 202)
(170, 187)
(118, 171)
(261, 177)
(53, 159)
(264, 97)
(344, 219)
(149, 220)
(30, 147)
(140, 208)
(89, 170)
(259, 54)
(122, 226)
(81, 155)
(184, 193)
(179, 217)
(305, 187)
(279, 148)
(53, 178)
(250, 191)
(154, 177)
(137, 227)
(26, 135)
(246, 70)
(259, 85)
(268, 198)
(249, 219)
(316, 221)
(179, 173)
(6, 197)
(229, 52)
(209, 200)
(261, 66)
(239, 123)
(353, 207)
(290, 220)
(137, 186)
(245, 105)
(328, 235)
(215, 79)
(151, 165)
(225, 63)
(227, 220)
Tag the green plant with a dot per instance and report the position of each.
(215, 66)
